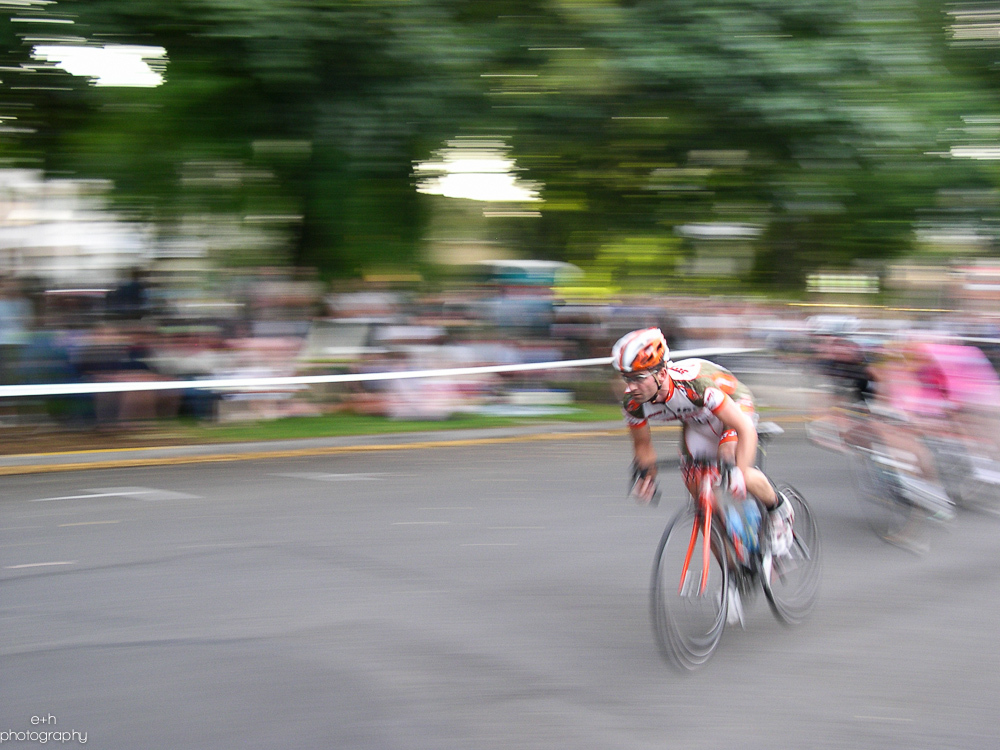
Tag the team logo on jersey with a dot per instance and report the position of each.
(686, 369)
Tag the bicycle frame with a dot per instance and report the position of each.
(708, 476)
(689, 622)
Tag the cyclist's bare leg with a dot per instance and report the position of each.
(904, 444)
(760, 487)
(757, 482)
(903, 440)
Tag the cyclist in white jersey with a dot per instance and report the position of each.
(717, 417)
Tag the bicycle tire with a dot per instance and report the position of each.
(953, 465)
(688, 625)
(885, 510)
(979, 495)
(791, 582)
(969, 478)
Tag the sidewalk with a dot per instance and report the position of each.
(32, 463)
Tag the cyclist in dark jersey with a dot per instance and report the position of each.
(848, 367)
(717, 419)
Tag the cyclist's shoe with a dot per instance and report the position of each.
(734, 610)
(780, 519)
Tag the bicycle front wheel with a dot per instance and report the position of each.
(791, 581)
(980, 488)
(971, 478)
(687, 621)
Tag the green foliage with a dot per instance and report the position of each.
(346, 423)
(822, 123)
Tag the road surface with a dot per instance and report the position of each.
(477, 596)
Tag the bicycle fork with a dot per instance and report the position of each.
(706, 551)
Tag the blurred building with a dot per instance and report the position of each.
(977, 288)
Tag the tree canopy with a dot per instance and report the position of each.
(828, 128)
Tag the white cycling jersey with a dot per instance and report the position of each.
(696, 390)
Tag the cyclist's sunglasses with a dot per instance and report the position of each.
(634, 378)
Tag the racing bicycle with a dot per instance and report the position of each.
(691, 594)
(904, 480)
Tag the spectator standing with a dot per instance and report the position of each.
(15, 327)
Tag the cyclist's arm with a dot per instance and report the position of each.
(645, 458)
(734, 418)
(642, 444)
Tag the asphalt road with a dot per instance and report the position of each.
(486, 596)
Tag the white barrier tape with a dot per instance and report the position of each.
(263, 384)
(917, 335)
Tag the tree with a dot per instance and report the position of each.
(822, 123)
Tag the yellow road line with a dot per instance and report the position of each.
(91, 451)
(150, 461)
(291, 453)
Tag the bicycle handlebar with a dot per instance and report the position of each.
(638, 474)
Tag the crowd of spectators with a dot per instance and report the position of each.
(279, 322)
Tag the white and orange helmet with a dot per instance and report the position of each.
(640, 350)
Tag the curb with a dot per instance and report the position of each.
(40, 463)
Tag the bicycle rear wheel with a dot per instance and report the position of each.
(887, 512)
(980, 488)
(791, 581)
(688, 623)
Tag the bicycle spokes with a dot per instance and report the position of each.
(802, 546)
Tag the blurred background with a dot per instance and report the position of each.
(195, 189)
